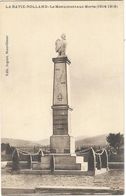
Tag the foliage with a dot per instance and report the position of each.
(115, 140)
(7, 148)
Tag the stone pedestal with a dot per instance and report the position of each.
(60, 141)
(61, 162)
(62, 144)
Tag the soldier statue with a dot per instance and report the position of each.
(60, 45)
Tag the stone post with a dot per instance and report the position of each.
(61, 142)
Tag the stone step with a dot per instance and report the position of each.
(61, 172)
(79, 159)
(84, 166)
(66, 166)
(56, 190)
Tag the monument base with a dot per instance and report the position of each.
(61, 162)
(62, 144)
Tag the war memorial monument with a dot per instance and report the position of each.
(62, 158)
(61, 162)
(62, 144)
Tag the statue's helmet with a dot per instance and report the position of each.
(63, 36)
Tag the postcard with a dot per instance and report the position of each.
(62, 118)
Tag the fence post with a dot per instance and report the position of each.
(30, 161)
(15, 160)
(104, 159)
(91, 160)
(98, 160)
(52, 163)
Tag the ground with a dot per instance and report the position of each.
(112, 179)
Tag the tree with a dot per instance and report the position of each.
(115, 140)
(6, 147)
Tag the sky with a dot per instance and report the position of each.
(95, 48)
